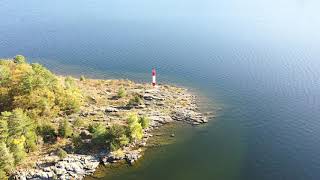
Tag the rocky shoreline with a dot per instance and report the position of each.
(164, 104)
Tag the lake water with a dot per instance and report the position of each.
(258, 60)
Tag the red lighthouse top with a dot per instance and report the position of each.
(153, 71)
(153, 77)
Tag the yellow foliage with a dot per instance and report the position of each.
(18, 141)
(36, 90)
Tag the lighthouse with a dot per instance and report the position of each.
(154, 77)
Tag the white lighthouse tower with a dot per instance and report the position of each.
(154, 77)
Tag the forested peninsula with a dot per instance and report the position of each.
(61, 127)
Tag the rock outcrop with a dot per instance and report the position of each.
(51, 167)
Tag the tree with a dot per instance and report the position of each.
(6, 159)
(65, 129)
(98, 133)
(19, 59)
(17, 148)
(135, 128)
(69, 100)
(29, 131)
(20, 127)
(39, 77)
(3, 175)
(82, 78)
(4, 131)
(135, 101)
(121, 93)
(40, 101)
(144, 121)
(116, 135)
(136, 132)
(69, 82)
(61, 153)
(123, 140)
(4, 74)
(48, 133)
(36, 90)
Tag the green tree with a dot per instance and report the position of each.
(116, 135)
(39, 77)
(61, 153)
(70, 100)
(29, 132)
(4, 131)
(121, 93)
(19, 59)
(144, 121)
(6, 158)
(69, 82)
(3, 175)
(17, 148)
(135, 128)
(136, 132)
(4, 75)
(135, 101)
(123, 140)
(20, 127)
(98, 131)
(65, 129)
(47, 132)
(82, 78)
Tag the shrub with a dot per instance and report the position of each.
(41, 101)
(116, 135)
(4, 74)
(69, 82)
(36, 90)
(135, 101)
(118, 153)
(70, 100)
(61, 153)
(136, 132)
(18, 149)
(3, 175)
(135, 128)
(123, 140)
(82, 78)
(98, 133)
(121, 93)
(6, 159)
(19, 59)
(144, 121)
(78, 122)
(47, 132)
(64, 129)
(4, 131)
(22, 135)
(97, 128)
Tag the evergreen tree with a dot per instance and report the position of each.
(3, 175)
(6, 158)
(19, 124)
(19, 59)
(144, 121)
(121, 93)
(4, 126)
(135, 128)
(65, 129)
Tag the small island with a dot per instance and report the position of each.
(56, 127)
